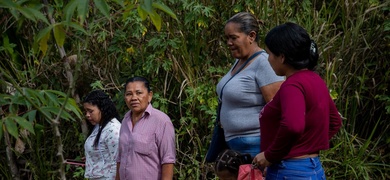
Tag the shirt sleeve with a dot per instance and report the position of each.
(292, 123)
(265, 75)
(167, 150)
(335, 119)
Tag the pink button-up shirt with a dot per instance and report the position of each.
(144, 148)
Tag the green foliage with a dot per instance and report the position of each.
(182, 52)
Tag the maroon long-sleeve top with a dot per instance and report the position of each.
(300, 120)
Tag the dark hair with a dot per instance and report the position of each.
(106, 107)
(247, 22)
(231, 160)
(295, 44)
(139, 78)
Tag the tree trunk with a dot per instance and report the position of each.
(11, 158)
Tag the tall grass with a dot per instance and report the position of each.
(186, 59)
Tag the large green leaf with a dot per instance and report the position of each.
(42, 38)
(156, 19)
(26, 13)
(38, 15)
(8, 4)
(10, 126)
(165, 8)
(72, 106)
(5, 99)
(59, 34)
(147, 6)
(52, 99)
(69, 10)
(82, 10)
(43, 43)
(59, 93)
(24, 124)
(30, 116)
(142, 13)
(75, 26)
(103, 7)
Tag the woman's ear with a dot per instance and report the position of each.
(282, 58)
(252, 36)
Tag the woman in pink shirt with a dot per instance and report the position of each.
(301, 118)
(147, 137)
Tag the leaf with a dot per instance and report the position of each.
(69, 10)
(24, 123)
(103, 7)
(4, 100)
(73, 107)
(26, 13)
(142, 13)
(82, 10)
(11, 127)
(59, 35)
(165, 8)
(59, 93)
(30, 116)
(52, 99)
(120, 2)
(147, 6)
(44, 32)
(8, 4)
(76, 27)
(42, 38)
(38, 15)
(156, 19)
(43, 43)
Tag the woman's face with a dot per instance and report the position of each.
(92, 113)
(238, 42)
(276, 62)
(137, 97)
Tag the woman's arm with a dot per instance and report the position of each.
(270, 90)
(167, 172)
(117, 171)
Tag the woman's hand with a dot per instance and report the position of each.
(261, 161)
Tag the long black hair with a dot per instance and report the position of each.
(295, 44)
(106, 107)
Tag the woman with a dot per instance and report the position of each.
(243, 95)
(147, 136)
(301, 118)
(101, 146)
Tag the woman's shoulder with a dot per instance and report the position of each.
(160, 116)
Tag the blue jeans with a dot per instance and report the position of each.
(246, 145)
(308, 169)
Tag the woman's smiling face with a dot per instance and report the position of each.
(237, 41)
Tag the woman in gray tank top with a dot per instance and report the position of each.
(247, 87)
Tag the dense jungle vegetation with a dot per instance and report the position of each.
(53, 52)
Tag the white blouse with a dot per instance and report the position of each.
(101, 160)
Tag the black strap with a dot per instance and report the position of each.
(242, 67)
(246, 62)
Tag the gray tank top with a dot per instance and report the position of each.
(242, 100)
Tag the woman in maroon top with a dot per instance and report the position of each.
(301, 118)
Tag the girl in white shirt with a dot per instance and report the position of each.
(101, 146)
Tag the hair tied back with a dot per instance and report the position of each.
(313, 47)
